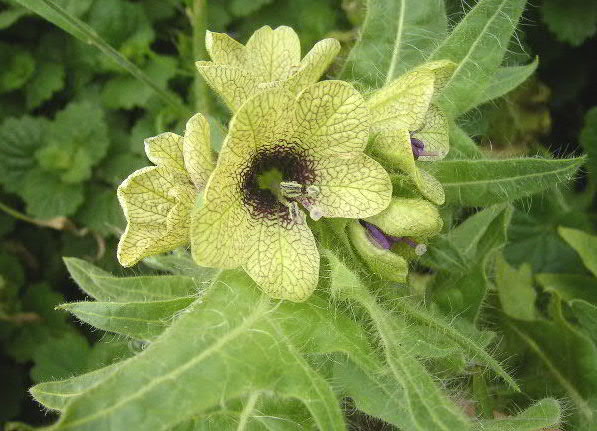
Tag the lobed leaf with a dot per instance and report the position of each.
(584, 244)
(541, 415)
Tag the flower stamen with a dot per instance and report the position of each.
(418, 148)
(386, 241)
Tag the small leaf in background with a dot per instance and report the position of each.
(477, 45)
(569, 286)
(486, 182)
(588, 140)
(60, 357)
(515, 290)
(584, 244)
(396, 36)
(586, 314)
(242, 8)
(102, 214)
(46, 80)
(46, 196)
(507, 79)
(17, 67)
(571, 21)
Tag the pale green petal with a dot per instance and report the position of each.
(156, 202)
(199, 158)
(165, 150)
(434, 134)
(408, 217)
(224, 50)
(442, 71)
(218, 227)
(233, 84)
(313, 64)
(273, 55)
(332, 119)
(384, 263)
(395, 148)
(264, 120)
(402, 104)
(283, 259)
(354, 187)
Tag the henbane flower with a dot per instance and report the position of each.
(286, 155)
(270, 58)
(409, 126)
(157, 200)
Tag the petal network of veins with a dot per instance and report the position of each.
(313, 142)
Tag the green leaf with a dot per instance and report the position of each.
(19, 139)
(141, 320)
(9, 16)
(570, 286)
(587, 317)
(562, 354)
(572, 21)
(396, 36)
(60, 357)
(103, 286)
(17, 67)
(47, 79)
(241, 8)
(71, 24)
(588, 140)
(234, 322)
(102, 214)
(180, 262)
(477, 45)
(584, 244)
(127, 92)
(55, 395)
(540, 416)
(515, 290)
(507, 79)
(486, 182)
(461, 145)
(46, 196)
(428, 408)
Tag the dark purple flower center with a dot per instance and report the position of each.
(282, 161)
(386, 241)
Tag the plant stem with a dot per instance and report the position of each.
(198, 17)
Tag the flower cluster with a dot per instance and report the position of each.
(297, 151)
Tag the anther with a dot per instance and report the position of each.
(420, 249)
(315, 213)
(291, 189)
(312, 191)
(418, 148)
(295, 212)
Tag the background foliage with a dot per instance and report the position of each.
(515, 270)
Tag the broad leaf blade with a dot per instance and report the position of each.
(396, 36)
(103, 286)
(477, 45)
(486, 182)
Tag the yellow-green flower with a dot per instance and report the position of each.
(270, 58)
(286, 155)
(408, 126)
(157, 200)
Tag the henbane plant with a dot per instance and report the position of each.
(315, 214)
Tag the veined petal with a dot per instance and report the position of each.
(262, 121)
(442, 71)
(165, 150)
(198, 156)
(434, 134)
(156, 202)
(394, 147)
(224, 50)
(233, 84)
(354, 187)
(218, 227)
(408, 217)
(313, 64)
(332, 119)
(383, 262)
(403, 103)
(283, 259)
(273, 55)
